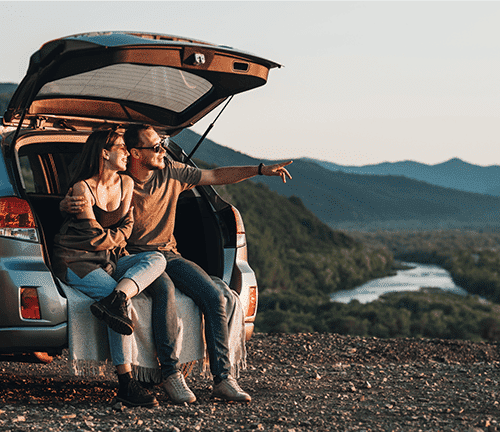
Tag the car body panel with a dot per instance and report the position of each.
(33, 339)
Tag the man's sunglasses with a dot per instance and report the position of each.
(156, 148)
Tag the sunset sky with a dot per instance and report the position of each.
(362, 82)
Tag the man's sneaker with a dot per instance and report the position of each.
(113, 311)
(133, 394)
(177, 389)
(229, 390)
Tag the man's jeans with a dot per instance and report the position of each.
(192, 280)
(143, 268)
(165, 326)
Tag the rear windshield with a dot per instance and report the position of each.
(48, 168)
(161, 86)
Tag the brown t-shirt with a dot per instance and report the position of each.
(155, 204)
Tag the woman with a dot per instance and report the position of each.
(90, 254)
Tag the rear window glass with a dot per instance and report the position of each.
(27, 174)
(161, 86)
(48, 168)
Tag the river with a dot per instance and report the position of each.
(422, 275)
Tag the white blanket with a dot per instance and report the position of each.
(88, 338)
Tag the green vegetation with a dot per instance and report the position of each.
(478, 273)
(429, 313)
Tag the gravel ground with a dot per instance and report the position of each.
(300, 382)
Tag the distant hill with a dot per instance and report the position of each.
(6, 92)
(362, 201)
(453, 173)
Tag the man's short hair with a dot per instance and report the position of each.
(132, 135)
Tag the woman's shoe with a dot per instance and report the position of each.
(113, 311)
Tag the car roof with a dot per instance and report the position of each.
(82, 81)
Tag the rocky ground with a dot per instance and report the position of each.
(300, 382)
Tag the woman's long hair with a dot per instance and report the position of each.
(89, 162)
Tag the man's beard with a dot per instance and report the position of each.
(155, 166)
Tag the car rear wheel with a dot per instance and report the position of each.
(43, 357)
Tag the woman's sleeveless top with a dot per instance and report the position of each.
(108, 219)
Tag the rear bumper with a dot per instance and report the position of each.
(243, 281)
(249, 327)
(30, 339)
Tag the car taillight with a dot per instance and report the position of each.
(241, 239)
(30, 306)
(252, 301)
(16, 219)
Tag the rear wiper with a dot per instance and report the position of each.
(209, 128)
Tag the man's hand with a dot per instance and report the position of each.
(72, 204)
(277, 170)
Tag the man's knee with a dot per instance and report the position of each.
(216, 297)
(162, 287)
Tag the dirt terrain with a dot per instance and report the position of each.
(300, 382)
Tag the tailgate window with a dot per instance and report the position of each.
(161, 86)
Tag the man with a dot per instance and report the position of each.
(158, 184)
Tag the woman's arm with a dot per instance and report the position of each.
(81, 189)
(128, 191)
(92, 236)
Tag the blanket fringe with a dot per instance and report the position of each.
(145, 374)
(93, 368)
(153, 375)
(240, 365)
(88, 368)
(201, 367)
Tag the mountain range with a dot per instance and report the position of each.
(367, 201)
(454, 173)
(6, 92)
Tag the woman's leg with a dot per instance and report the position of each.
(134, 273)
(98, 284)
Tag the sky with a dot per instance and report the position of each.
(361, 83)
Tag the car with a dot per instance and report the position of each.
(73, 86)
